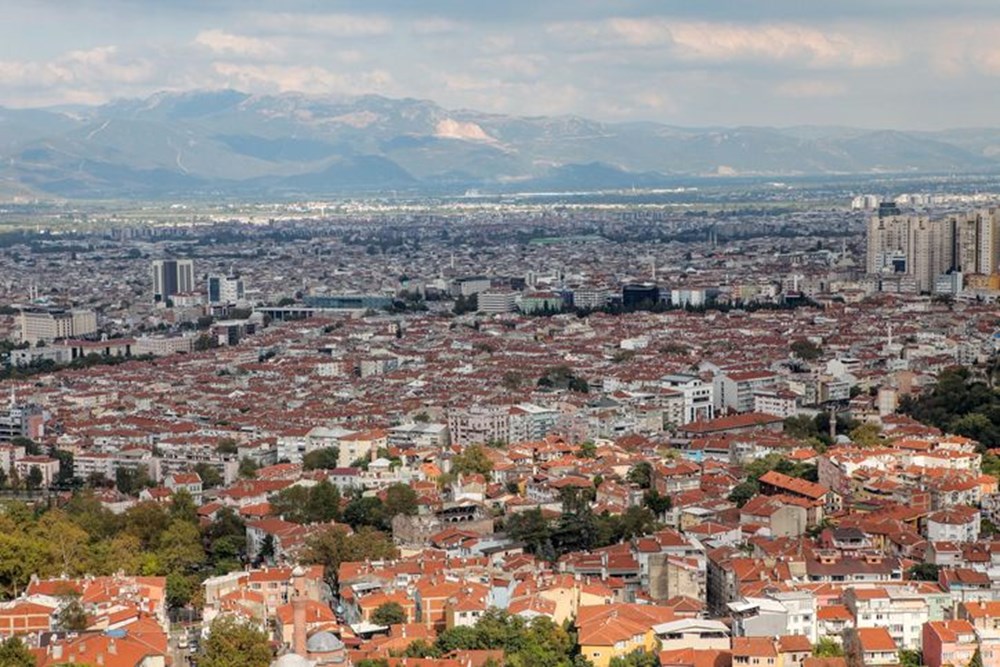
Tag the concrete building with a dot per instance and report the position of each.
(170, 277)
(49, 324)
(225, 290)
(497, 301)
(698, 402)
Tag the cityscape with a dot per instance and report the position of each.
(581, 364)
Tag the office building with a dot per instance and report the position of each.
(49, 324)
(640, 295)
(497, 301)
(225, 290)
(170, 277)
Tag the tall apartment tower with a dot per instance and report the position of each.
(170, 277)
(977, 241)
(913, 245)
(225, 290)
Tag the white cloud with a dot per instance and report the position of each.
(707, 41)
(222, 42)
(294, 78)
(330, 25)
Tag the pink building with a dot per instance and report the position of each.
(949, 643)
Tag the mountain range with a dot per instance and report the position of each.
(229, 143)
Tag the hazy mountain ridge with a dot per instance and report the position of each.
(231, 142)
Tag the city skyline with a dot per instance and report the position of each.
(887, 64)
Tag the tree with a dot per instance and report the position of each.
(147, 521)
(641, 474)
(743, 492)
(14, 653)
(656, 503)
(333, 546)
(366, 511)
(828, 648)
(248, 468)
(234, 643)
(227, 446)
(637, 658)
(34, 479)
(806, 350)
(400, 499)
(531, 528)
(131, 482)
(183, 507)
(588, 450)
(321, 459)
(390, 613)
(473, 459)
(977, 659)
(908, 658)
(324, 503)
(866, 435)
(72, 617)
(924, 572)
(210, 476)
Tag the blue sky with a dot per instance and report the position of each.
(907, 64)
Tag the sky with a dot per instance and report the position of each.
(899, 64)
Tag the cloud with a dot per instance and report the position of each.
(719, 42)
(222, 42)
(330, 25)
(296, 78)
(437, 25)
(810, 88)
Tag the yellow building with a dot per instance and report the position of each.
(613, 631)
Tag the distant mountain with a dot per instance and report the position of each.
(232, 143)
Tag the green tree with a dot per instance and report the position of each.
(34, 479)
(977, 659)
(180, 547)
(210, 476)
(641, 474)
(366, 511)
(225, 541)
(234, 643)
(909, 658)
(183, 507)
(146, 521)
(657, 504)
(14, 653)
(531, 528)
(248, 468)
(324, 503)
(321, 459)
(806, 350)
(131, 482)
(334, 546)
(472, 459)
(390, 613)
(400, 499)
(924, 572)
(828, 648)
(743, 492)
(421, 649)
(227, 446)
(636, 658)
(866, 435)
